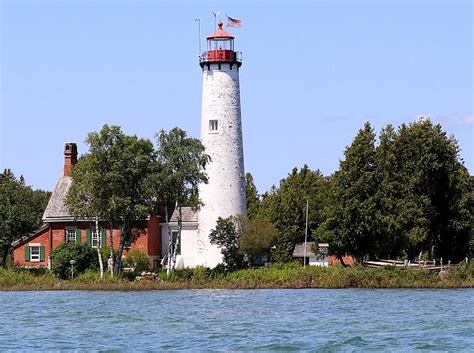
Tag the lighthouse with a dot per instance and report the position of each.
(221, 135)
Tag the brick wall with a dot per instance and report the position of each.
(41, 239)
(148, 240)
(154, 236)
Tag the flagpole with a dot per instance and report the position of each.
(215, 13)
(306, 234)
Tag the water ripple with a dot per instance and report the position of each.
(350, 320)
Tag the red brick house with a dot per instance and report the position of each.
(60, 226)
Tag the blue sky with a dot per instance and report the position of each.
(313, 73)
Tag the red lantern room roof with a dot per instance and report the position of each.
(220, 33)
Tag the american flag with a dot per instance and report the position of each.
(234, 22)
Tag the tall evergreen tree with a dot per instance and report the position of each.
(390, 192)
(351, 218)
(434, 208)
(411, 194)
(253, 198)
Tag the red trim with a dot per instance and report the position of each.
(220, 33)
(221, 55)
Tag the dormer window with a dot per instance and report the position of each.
(213, 125)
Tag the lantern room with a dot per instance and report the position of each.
(220, 48)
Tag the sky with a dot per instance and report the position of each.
(313, 72)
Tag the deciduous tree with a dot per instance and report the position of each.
(21, 210)
(285, 208)
(227, 235)
(177, 173)
(108, 182)
(257, 238)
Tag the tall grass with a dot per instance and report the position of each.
(277, 276)
(18, 277)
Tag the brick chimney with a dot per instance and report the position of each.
(70, 157)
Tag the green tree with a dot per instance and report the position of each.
(21, 210)
(409, 195)
(391, 242)
(351, 217)
(285, 208)
(177, 173)
(86, 197)
(227, 235)
(257, 238)
(434, 206)
(108, 182)
(471, 211)
(253, 198)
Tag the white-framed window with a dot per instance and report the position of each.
(70, 235)
(34, 253)
(213, 125)
(95, 238)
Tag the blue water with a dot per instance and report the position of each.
(239, 320)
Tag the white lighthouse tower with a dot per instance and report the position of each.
(221, 134)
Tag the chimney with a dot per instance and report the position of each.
(70, 157)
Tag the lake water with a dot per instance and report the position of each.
(239, 320)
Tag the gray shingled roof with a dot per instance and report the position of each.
(58, 210)
(57, 207)
(188, 215)
(28, 236)
(299, 250)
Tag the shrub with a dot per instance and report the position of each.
(138, 260)
(184, 274)
(200, 274)
(84, 255)
(218, 272)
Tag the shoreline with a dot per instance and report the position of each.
(129, 288)
(277, 277)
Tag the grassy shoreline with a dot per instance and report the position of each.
(286, 276)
